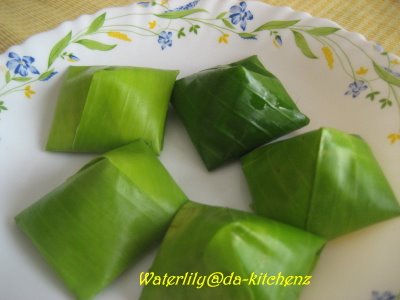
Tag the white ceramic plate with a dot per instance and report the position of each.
(337, 78)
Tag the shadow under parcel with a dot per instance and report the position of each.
(325, 181)
(96, 224)
(103, 218)
(206, 239)
(232, 109)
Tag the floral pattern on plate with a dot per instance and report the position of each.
(167, 24)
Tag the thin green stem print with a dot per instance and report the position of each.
(165, 25)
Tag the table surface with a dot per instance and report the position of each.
(377, 20)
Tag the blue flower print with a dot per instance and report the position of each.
(397, 74)
(278, 40)
(51, 75)
(383, 296)
(240, 14)
(144, 4)
(379, 48)
(72, 58)
(188, 6)
(165, 39)
(21, 66)
(356, 87)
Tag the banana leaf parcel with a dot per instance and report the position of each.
(101, 108)
(232, 109)
(325, 181)
(102, 219)
(240, 251)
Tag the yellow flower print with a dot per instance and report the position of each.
(163, 2)
(119, 35)
(28, 91)
(223, 38)
(328, 56)
(394, 137)
(362, 71)
(152, 24)
(395, 62)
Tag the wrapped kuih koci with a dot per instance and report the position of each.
(229, 110)
(101, 108)
(325, 181)
(102, 219)
(204, 239)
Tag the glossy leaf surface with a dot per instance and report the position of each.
(325, 181)
(102, 219)
(204, 239)
(230, 110)
(101, 108)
